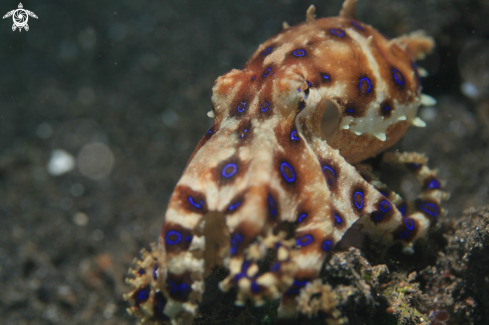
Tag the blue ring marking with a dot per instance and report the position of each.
(402, 210)
(358, 205)
(238, 276)
(155, 275)
(184, 288)
(326, 167)
(244, 266)
(267, 72)
(174, 287)
(272, 207)
(241, 107)
(434, 184)
(188, 239)
(398, 77)
(265, 51)
(357, 26)
(330, 169)
(298, 285)
(195, 204)
(161, 302)
(264, 108)
(301, 107)
(254, 77)
(378, 216)
(337, 219)
(235, 241)
(426, 208)
(275, 267)
(337, 32)
(299, 90)
(382, 208)
(299, 53)
(309, 84)
(409, 223)
(327, 245)
(284, 175)
(350, 110)
(234, 206)
(141, 271)
(229, 174)
(210, 131)
(143, 295)
(403, 235)
(325, 76)
(368, 82)
(255, 287)
(307, 238)
(293, 135)
(301, 217)
(173, 233)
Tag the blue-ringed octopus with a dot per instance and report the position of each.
(278, 172)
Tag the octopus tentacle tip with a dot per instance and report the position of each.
(285, 25)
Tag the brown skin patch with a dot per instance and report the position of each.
(213, 130)
(177, 238)
(228, 171)
(272, 207)
(355, 148)
(314, 240)
(358, 199)
(244, 133)
(431, 183)
(179, 286)
(244, 234)
(386, 108)
(331, 172)
(384, 211)
(430, 208)
(189, 199)
(288, 166)
(236, 203)
(390, 58)
(407, 231)
(339, 220)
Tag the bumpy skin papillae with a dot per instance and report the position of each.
(263, 163)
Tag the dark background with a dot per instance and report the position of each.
(136, 76)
